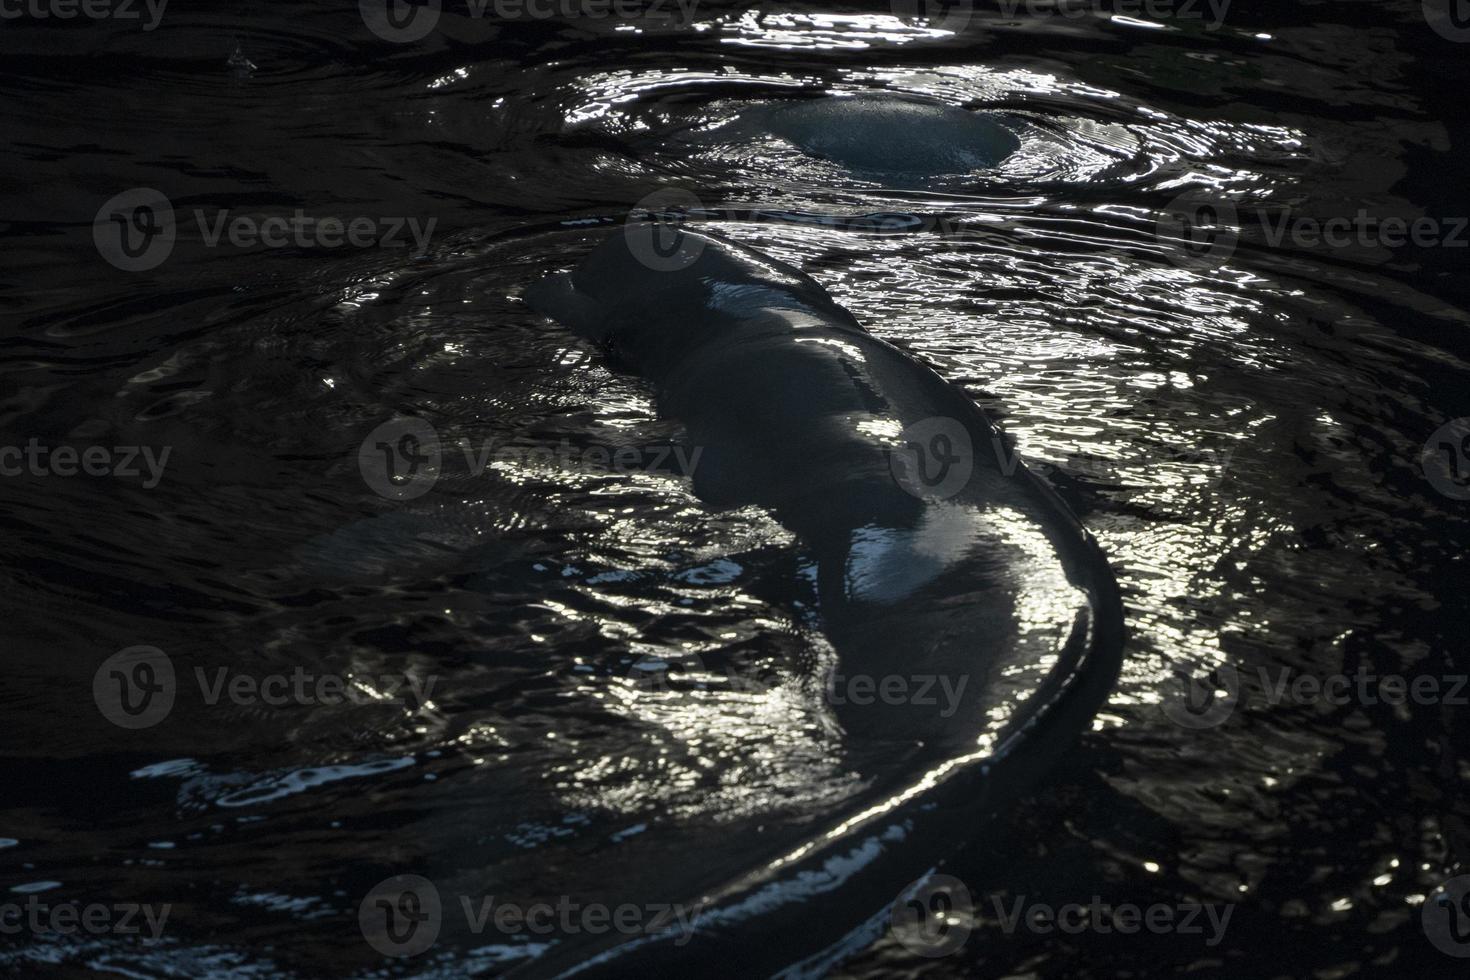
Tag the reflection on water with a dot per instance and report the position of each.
(621, 707)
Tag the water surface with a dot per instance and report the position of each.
(1239, 425)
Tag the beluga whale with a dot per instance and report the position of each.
(936, 553)
(888, 137)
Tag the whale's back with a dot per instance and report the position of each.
(891, 138)
(652, 292)
(963, 613)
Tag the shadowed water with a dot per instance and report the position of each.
(573, 677)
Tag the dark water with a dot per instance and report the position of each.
(1241, 425)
